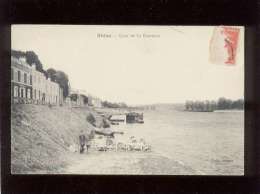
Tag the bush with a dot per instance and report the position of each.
(91, 119)
(105, 123)
(92, 134)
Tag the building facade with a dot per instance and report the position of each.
(31, 86)
(52, 92)
(39, 91)
(61, 99)
(77, 98)
(21, 81)
(94, 101)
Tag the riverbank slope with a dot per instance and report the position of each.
(42, 136)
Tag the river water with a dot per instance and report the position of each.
(209, 143)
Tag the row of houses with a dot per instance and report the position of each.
(31, 86)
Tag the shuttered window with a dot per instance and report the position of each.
(19, 76)
(25, 78)
(12, 73)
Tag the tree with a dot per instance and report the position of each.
(91, 119)
(224, 103)
(221, 103)
(17, 54)
(238, 104)
(63, 80)
(85, 98)
(197, 105)
(52, 74)
(202, 106)
(113, 105)
(213, 105)
(187, 105)
(192, 105)
(207, 105)
(74, 97)
(31, 58)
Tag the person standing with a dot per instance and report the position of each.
(88, 143)
(82, 141)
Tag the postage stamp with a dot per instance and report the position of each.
(223, 45)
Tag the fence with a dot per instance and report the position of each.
(20, 100)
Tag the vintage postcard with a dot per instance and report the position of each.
(130, 100)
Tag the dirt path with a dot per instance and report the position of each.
(103, 163)
(125, 163)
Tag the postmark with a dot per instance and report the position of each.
(224, 45)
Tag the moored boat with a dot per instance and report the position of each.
(134, 117)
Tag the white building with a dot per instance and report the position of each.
(44, 90)
(29, 84)
(39, 85)
(79, 97)
(21, 80)
(94, 101)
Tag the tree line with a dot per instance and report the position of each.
(113, 105)
(56, 75)
(221, 104)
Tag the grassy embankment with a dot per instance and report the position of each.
(41, 136)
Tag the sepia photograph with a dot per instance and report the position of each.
(127, 100)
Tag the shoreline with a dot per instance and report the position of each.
(131, 163)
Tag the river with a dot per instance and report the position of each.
(209, 143)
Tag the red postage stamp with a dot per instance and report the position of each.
(223, 45)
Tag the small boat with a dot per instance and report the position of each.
(108, 133)
(114, 123)
(117, 118)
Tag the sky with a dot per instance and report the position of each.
(170, 64)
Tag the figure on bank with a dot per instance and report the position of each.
(82, 141)
(88, 143)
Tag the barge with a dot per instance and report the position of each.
(134, 117)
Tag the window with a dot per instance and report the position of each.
(28, 95)
(30, 79)
(19, 76)
(25, 78)
(22, 93)
(12, 73)
(15, 91)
